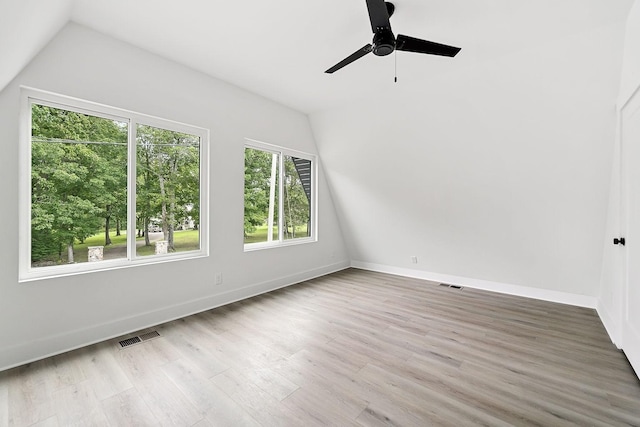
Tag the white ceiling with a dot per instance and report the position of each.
(280, 49)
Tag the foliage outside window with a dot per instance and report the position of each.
(107, 188)
(279, 196)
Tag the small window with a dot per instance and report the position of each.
(107, 188)
(279, 196)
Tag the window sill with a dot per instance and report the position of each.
(250, 247)
(66, 270)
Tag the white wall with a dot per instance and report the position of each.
(36, 22)
(493, 174)
(631, 63)
(48, 316)
(613, 269)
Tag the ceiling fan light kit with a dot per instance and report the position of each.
(385, 42)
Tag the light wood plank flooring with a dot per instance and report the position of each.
(352, 348)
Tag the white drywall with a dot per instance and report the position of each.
(43, 317)
(25, 27)
(631, 63)
(498, 171)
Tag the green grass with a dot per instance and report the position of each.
(80, 250)
(187, 240)
(260, 234)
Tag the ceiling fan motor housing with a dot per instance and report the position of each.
(384, 42)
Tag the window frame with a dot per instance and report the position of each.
(29, 96)
(313, 210)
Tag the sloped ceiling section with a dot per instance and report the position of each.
(26, 26)
(497, 170)
(280, 49)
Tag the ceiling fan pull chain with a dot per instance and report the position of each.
(395, 58)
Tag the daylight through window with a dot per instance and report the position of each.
(279, 196)
(108, 188)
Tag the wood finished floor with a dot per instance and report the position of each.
(352, 348)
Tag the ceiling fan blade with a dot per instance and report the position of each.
(378, 14)
(349, 59)
(411, 44)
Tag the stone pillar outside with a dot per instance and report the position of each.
(96, 253)
(162, 247)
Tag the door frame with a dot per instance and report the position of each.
(633, 101)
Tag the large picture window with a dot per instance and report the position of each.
(106, 188)
(279, 196)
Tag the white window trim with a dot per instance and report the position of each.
(26, 272)
(263, 146)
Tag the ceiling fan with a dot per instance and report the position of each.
(384, 42)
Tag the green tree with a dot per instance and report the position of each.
(112, 170)
(258, 177)
(63, 194)
(169, 176)
(257, 182)
(146, 191)
(77, 177)
(296, 202)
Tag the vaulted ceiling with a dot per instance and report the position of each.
(491, 165)
(280, 49)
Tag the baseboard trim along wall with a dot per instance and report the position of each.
(608, 321)
(32, 351)
(52, 345)
(503, 288)
(610, 325)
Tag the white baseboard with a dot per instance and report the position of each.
(28, 352)
(52, 345)
(610, 325)
(503, 288)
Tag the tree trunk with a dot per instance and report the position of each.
(293, 225)
(147, 184)
(70, 259)
(118, 226)
(165, 229)
(172, 203)
(172, 220)
(107, 238)
(146, 232)
(170, 246)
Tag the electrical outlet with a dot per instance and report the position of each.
(414, 259)
(218, 279)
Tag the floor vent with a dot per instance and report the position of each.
(140, 338)
(149, 335)
(446, 285)
(129, 341)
